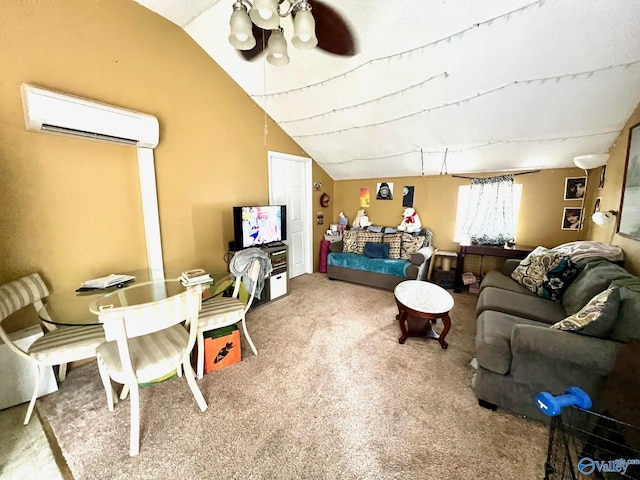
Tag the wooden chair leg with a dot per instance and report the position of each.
(246, 335)
(32, 403)
(134, 405)
(200, 359)
(62, 372)
(106, 382)
(191, 380)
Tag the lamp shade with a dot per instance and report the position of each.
(265, 14)
(277, 49)
(240, 34)
(603, 218)
(304, 30)
(587, 162)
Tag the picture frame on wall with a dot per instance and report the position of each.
(603, 175)
(629, 215)
(596, 205)
(384, 191)
(572, 218)
(575, 188)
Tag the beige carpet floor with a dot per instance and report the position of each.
(332, 394)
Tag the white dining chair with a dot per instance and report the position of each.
(221, 312)
(147, 342)
(58, 345)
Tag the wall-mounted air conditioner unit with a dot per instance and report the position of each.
(55, 112)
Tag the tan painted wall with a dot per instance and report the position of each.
(69, 208)
(436, 197)
(611, 195)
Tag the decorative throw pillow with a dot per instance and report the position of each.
(395, 243)
(376, 250)
(531, 273)
(558, 278)
(596, 318)
(350, 241)
(410, 245)
(364, 237)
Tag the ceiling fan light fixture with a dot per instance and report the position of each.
(277, 54)
(587, 162)
(265, 15)
(241, 36)
(304, 28)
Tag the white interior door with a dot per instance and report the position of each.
(289, 184)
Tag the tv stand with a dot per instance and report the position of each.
(276, 284)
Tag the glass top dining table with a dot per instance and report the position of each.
(87, 304)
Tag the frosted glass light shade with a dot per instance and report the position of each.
(265, 14)
(240, 34)
(277, 49)
(587, 162)
(304, 31)
(603, 218)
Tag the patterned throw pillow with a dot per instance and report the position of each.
(364, 237)
(531, 273)
(395, 243)
(596, 318)
(410, 245)
(558, 279)
(350, 241)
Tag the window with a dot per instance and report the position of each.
(487, 211)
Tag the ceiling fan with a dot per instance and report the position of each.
(254, 27)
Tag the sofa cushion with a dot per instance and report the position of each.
(531, 307)
(627, 326)
(493, 339)
(594, 278)
(376, 250)
(364, 237)
(395, 243)
(497, 279)
(596, 318)
(410, 245)
(376, 265)
(558, 279)
(350, 241)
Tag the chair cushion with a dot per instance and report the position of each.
(497, 279)
(67, 344)
(596, 318)
(220, 312)
(152, 355)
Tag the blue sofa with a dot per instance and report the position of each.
(383, 273)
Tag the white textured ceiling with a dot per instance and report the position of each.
(488, 86)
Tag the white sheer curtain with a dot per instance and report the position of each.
(489, 219)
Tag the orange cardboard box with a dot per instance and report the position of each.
(222, 351)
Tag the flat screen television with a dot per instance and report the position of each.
(259, 225)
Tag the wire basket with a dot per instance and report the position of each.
(587, 445)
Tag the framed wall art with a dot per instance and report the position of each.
(629, 215)
(572, 218)
(575, 188)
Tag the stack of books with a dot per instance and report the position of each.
(195, 277)
(106, 282)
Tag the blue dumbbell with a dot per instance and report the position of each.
(573, 397)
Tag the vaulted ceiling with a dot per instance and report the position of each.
(443, 86)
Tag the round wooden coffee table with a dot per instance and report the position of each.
(421, 304)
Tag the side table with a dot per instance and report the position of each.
(419, 305)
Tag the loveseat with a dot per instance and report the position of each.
(526, 344)
(380, 257)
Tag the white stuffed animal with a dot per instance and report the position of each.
(410, 221)
(361, 219)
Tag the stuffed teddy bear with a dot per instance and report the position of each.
(361, 219)
(410, 221)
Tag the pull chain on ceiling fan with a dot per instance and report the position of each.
(263, 18)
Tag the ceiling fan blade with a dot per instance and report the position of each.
(333, 32)
(261, 36)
